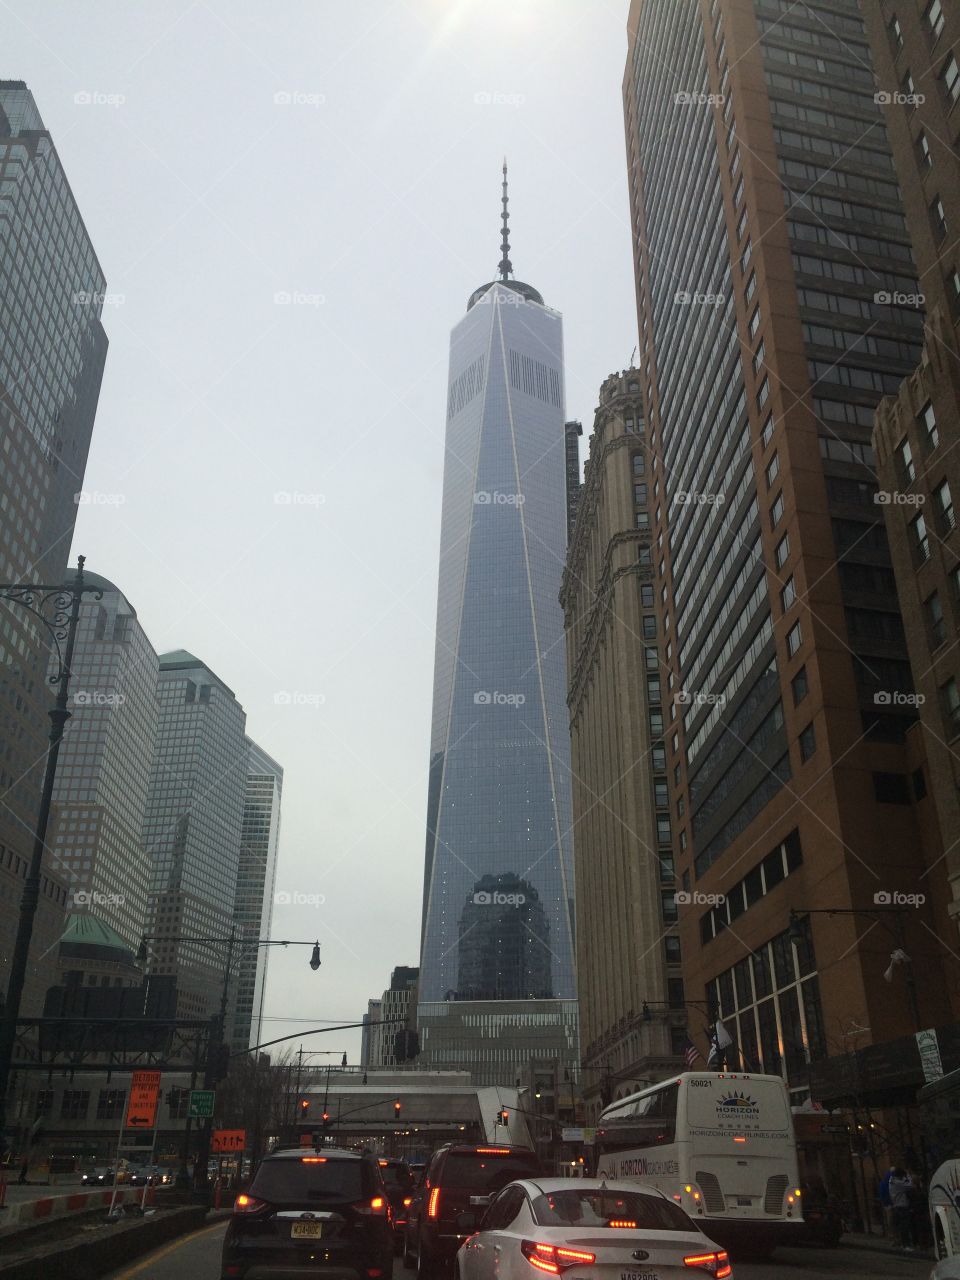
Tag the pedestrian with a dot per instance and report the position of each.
(883, 1195)
(920, 1220)
(900, 1187)
(24, 1169)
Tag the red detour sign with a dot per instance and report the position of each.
(224, 1140)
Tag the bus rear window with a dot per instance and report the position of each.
(591, 1208)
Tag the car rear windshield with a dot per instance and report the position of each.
(397, 1175)
(309, 1182)
(489, 1173)
(602, 1208)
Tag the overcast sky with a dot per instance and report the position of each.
(344, 155)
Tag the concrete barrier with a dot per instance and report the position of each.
(100, 1252)
(46, 1207)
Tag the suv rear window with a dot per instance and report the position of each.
(309, 1181)
(489, 1173)
(396, 1175)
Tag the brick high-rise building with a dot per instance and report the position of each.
(916, 48)
(623, 859)
(52, 353)
(768, 225)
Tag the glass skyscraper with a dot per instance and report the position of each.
(497, 982)
(52, 352)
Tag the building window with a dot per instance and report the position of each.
(808, 743)
(763, 395)
(646, 595)
(758, 356)
(767, 434)
(908, 472)
(643, 519)
(110, 1104)
(799, 686)
(178, 1101)
(639, 464)
(751, 288)
(950, 79)
(920, 539)
(754, 322)
(794, 639)
(74, 1104)
(950, 702)
(664, 833)
(668, 906)
(895, 34)
(936, 626)
(783, 550)
(938, 217)
(656, 723)
(649, 628)
(671, 947)
(640, 494)
(653, 688)
(955, 584)
(776, 511)
(660, 796)
(944, 507)
(923, 151)
(658, 757)
(953, 289)
(934, 16)
(788, 594)
(651, 659)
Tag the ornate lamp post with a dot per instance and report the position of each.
(63, 604)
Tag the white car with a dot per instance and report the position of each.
(586, 1227)
(948, 1269)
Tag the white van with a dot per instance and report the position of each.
(944, 1201)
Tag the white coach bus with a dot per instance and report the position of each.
(719, 1144)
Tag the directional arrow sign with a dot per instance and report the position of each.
(228, 1140)
(201, 1103)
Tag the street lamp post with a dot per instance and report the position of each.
(213, 1071)
(62, 630)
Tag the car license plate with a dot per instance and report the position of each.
(639, 1275)
(744, 1202)
(306, 1230)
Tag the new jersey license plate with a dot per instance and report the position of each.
(306, 1230)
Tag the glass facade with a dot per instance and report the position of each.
(259, 842)
(498, 894)
(52, 353)
(193, 827)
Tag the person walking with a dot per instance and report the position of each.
(900, 1187)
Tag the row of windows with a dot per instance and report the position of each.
(781, 862)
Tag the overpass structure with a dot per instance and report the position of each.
(410, 1113)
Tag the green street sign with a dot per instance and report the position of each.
(201, 1103)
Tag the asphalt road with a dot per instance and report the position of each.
(198, 1257)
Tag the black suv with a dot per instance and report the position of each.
(459, 1183)
(309, 1213)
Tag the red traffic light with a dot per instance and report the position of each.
(304, 1104)
(396, 1109)
(326, 1116)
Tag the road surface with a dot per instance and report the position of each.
(198, 1257)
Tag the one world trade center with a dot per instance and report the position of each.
(497, 984)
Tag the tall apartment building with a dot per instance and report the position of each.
(916, 49)
(623, 857)
(103, 774)
(497, 982)
(767, 224)
(256, 877)
(193, 829)
(52, 353)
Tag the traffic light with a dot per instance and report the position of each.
(326, 1120)
(304, 1105)
(396, 1111)
(504, 1116)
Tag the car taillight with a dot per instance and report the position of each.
(715, 1264)
(407, 1201)
(553, 1258)
(377, 1206)
(248, 1204)
(433, 1204)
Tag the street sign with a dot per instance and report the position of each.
(201, 1103)
(224, 1140)
(144, 1096)
(571, 1135)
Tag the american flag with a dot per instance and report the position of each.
(691, 1055)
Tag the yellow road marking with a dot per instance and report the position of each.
(194, 1235)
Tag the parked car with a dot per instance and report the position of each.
(101, 1176)
(400, 1184)
(459, 1183)
(150, 1175)
(589, 1227)
(822, 1215)
(311, 1211)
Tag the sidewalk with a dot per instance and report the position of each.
(882, 1244)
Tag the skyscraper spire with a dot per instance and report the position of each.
(506, 266)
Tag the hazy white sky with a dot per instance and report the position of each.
(343, 154)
